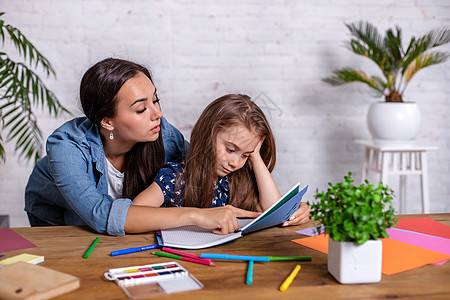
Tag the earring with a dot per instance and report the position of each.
(111, 136)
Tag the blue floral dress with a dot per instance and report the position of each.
(166, 180)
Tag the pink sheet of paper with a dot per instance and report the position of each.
(430, 242)
(424, 225)
(12, 241)
(397, 256)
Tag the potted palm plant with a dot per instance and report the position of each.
(22, 90)
(397, 65)
(355, 218)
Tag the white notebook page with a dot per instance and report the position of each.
(194, 237)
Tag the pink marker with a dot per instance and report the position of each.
(177, 252)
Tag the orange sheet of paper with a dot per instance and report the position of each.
(397, 256)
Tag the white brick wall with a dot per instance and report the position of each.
(200, 50)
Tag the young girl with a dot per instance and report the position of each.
(230, 157)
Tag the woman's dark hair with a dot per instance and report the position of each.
(200, 173)
(98, 94)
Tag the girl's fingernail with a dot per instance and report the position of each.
(292, 218)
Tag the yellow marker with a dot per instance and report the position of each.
(287, 282)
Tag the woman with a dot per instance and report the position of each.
(96, 164)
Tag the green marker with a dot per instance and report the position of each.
(167, 255)
(88, 252)
(287, 258)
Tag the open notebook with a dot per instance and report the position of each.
(194, 237)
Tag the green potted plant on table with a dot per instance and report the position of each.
(393, 118)
(355, 218)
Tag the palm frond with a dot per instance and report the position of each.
(417, 47)
(348, 75)
(18, 81)
(25, 48)
(393, 50)
(22, 127)
(21, 90)
(381, 82)
(391, 81)
(2, 150)
(369, 43)
(422, 61)
(439, 37)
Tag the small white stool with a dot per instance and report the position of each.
(404, 159)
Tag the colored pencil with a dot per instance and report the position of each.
(249, 280)
(194, 260)
(181, 253)
(135, 249)
(88, 252)
(287, 258)
(287, 282)
(234, 257)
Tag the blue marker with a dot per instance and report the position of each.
(235, 257)
(132, 250)
(250, 273)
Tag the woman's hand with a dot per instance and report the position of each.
(222, 219)
(300, 216)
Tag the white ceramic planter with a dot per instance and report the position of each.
(393, 121)
(351, 263)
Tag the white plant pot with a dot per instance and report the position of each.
(393, 121)
(351, 263)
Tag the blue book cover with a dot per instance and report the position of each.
(278, 213)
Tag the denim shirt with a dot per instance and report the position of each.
(69, 186)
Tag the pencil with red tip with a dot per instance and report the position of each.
(194, 260)
(181, 253)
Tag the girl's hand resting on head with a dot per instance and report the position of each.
(222, 219)
(300, 216)
(256, 153)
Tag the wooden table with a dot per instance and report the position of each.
(63, 248)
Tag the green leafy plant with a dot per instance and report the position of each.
(396, 63)
(353, 213)
(21, 90)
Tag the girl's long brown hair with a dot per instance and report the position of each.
(98, 94)
(200, 166)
